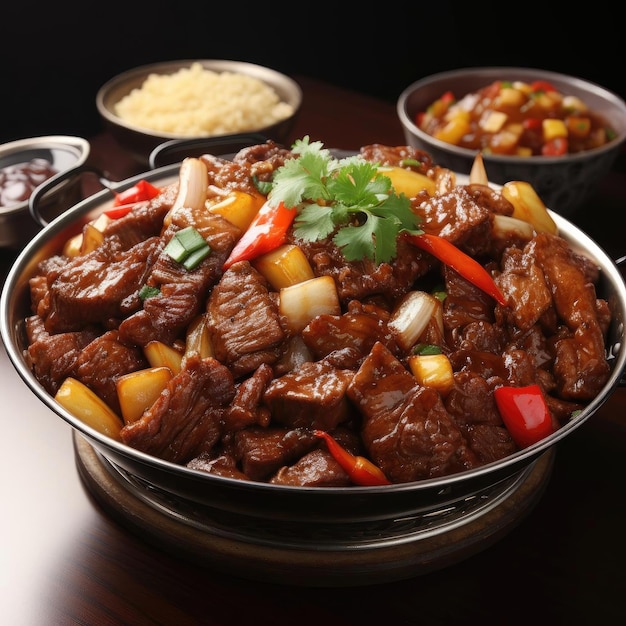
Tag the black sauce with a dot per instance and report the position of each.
(18, 181)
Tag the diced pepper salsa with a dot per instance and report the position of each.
(516, 118)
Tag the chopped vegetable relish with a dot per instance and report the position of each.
(516, 118)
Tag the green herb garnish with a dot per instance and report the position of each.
(188, 247)
(149, 292)
(349, 197)
(424, 349)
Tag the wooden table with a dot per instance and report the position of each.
(64, 560)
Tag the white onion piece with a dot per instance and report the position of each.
(301, 302)
(478, 173)
(193, 184)
(505, 227)
(411, 317)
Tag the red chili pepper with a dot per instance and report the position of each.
(361, 470)
(448, 97)
(532, 123)
(462, 263)
(542, 85)
(525, 413)
(143, 190)
(119, 211)
(266, 232)
(557, 146)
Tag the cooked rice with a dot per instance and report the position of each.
(195, 101)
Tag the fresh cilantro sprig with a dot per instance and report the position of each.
(347, 196)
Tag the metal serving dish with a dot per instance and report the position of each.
(65, 154)
(350, 520)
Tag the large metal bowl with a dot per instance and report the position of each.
(353, 521)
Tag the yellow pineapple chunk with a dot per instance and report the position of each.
(160, 354)
(238, 207)
(528, 206)
(552, 128)
(432, 370)
(285, 266)
(408, 182)
(510, 96)
(453, 131)
(87, 406)
(493, 121)
(137, 391)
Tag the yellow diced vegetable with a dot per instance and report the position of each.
(528, 206)
(506, 140)
(552, 128)
(525, 88)
(453, 131)
(300, 303)
(408, 182)
(238, 207)
(137, 391)
(432, 370)
(578, 126)
(160, 354)
(493, 121)
(511, 97)
(87, 406)
(285, 266)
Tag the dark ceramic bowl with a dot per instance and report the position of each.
(64, 154)
(564, 183)
(310, 536)
(141, 141)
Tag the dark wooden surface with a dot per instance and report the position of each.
(64, 560)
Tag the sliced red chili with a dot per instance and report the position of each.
(532, 123)
(143, 190)
(266, 232)
(361, 470)
(462, 263)
(525, 413)
(119, 211)
(542, 85)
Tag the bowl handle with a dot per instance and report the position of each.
(40, 191)
(175, 150)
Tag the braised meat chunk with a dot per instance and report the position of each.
(406, 428)
(186, 420)
(243, 320)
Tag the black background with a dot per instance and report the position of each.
(55, 57)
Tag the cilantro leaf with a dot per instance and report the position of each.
(314, 222)
(350, 197)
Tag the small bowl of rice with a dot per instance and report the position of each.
(182, 100)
